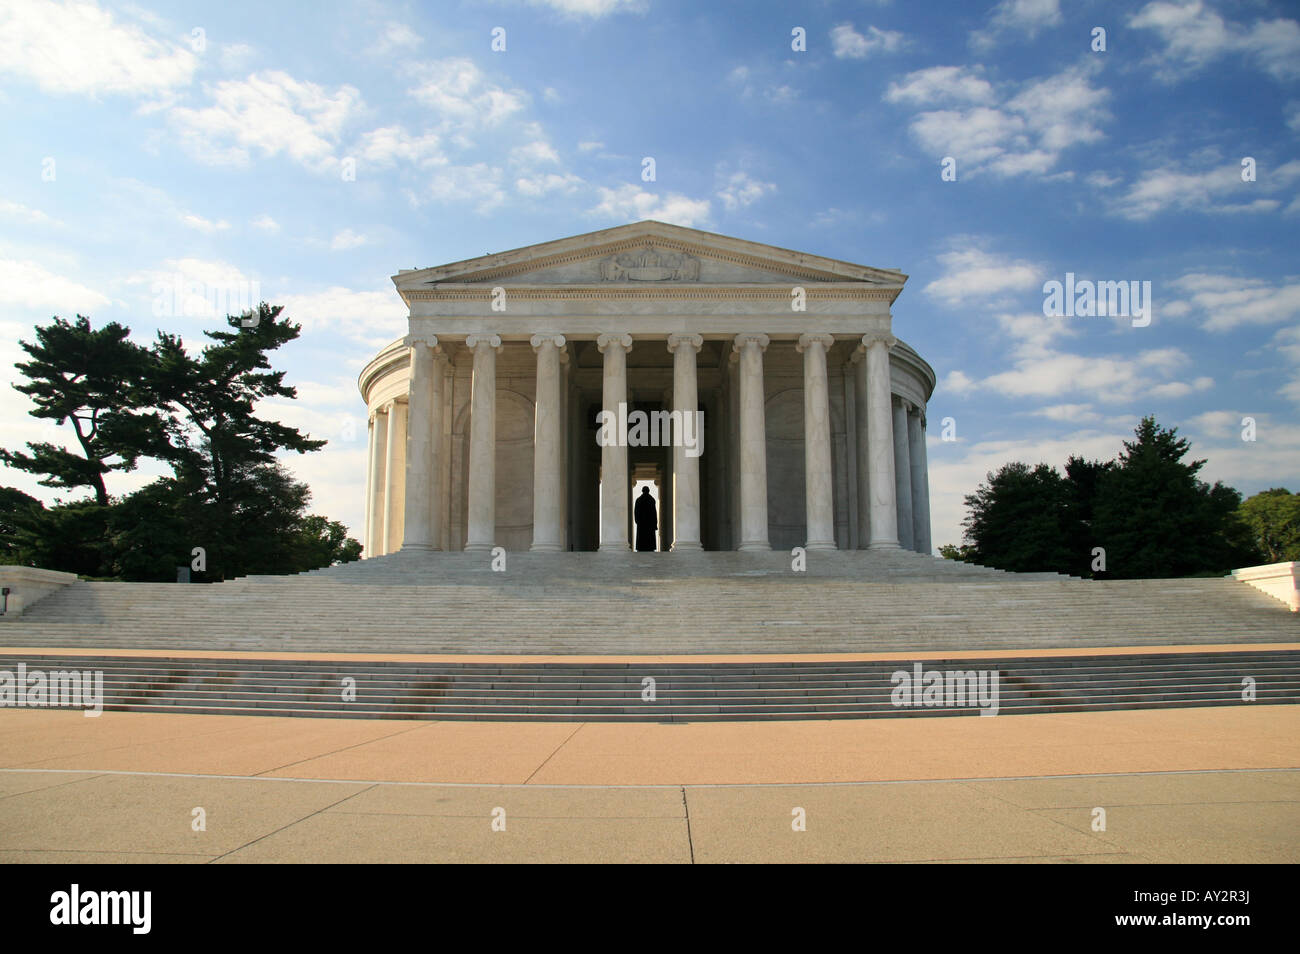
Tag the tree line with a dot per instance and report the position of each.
(1144, 514)
(228, 497)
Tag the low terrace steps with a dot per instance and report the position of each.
(646, 604)
(683, 690)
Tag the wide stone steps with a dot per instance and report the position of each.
(683, 691)
(648, 604)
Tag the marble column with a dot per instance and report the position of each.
(753, 443)
(482, 515)
(395, 471)
(615, 533)
(686, 467)
(548, 447)
(880, 442)
(920, 482)
(438, 443)
(418, 531)
(902, 474)
(818, 494)
(377, 480)
(862, 447)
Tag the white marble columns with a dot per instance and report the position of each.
(686, 467)
(481, 527)
(753, 443)
(819, 501)
(902, 474)
(920, 482)
(862, 442)
(614, 516)
(548, 447)
(375, 503)
(424, 408)
(880, 443)
(394, 475)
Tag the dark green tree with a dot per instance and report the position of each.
(1272, 518)
(20, 518)
(97, 381)
(1155, 518)
(244, 509)
(1016, 521)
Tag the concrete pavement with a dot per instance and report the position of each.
(1184, 785)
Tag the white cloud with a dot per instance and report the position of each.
(346, 239)
(1218, 190)
(590, 146)
(479, 183)
(192, 220)
(398, 37)
(741, 190)
(1017, 16)
(25, 214)
(940, 84)
(372, 317)
(1025, 134)
(265, 223)
(462, 98)
(971, 273)
(1194, 36)
(268, 113)
(958, 382)
(627, 203)
(545, 183)
(848, 43)
(390, 144)
(534, 153)
(76, 47)
(592, 9)
(1068, 413)
(195, 288)
(1228, 302)
(25, 284)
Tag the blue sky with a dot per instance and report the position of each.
(150, 144)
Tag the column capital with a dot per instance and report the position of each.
(676, 341)
(749, 338)
(431, 341)
(492, 341)
(622, 339)
(805, 340)
(879, 337)
(541, 341)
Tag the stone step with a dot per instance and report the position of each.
(685, 691)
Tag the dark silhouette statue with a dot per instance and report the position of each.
(647, 521)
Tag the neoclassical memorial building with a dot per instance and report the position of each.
(485, 420)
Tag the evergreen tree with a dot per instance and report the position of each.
(1016, 520)
(96, 380)
(1155, 518)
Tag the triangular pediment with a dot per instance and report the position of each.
(648, 254)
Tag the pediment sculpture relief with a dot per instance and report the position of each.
(650, 264)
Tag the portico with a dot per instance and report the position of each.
(485, 419)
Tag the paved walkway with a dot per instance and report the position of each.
(1184, 785)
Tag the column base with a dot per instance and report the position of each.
(479, 547)
(820, 545)
(418, 546)
(884, 545)
(615, 548)
(685, 547)
(754, 546)
(545, 548)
